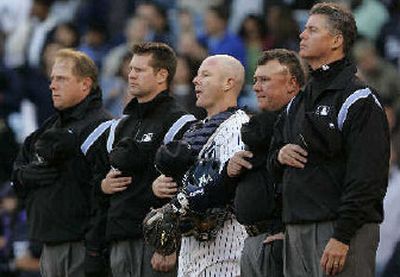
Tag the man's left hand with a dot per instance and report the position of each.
(271, 238)
(163, 263)
(334, 257)
(239, 162)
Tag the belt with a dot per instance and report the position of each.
(261, 227)
(205, 227)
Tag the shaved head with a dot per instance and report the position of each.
(230, 68)
(218, 83)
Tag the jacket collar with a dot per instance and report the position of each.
(334, 74)
(140, 110)
(332, 77)
(93, 100)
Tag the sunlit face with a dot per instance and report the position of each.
(209, 84)
(316, 41)
(272, 83)
(142, 78)
(67, 89)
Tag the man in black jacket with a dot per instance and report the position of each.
(53, 175)
(152, 117)
(277, 79)
(332, 155)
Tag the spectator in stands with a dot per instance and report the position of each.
(67, 35)
(282, 29)
(25, 46)
(157, 18)
(10, 86)
(136, 31)
(36, 84)
(364, 11)
(18, 256)
(115, 88)
(94, 43)
(182, 86)
(252, 31)
(217, 39)
(377, 72)
(388, 41)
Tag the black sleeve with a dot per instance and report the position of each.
(367, 150)
(97, 157)
(23, 158)
(277, 142)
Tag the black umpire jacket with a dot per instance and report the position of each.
(147, 123)
(60, 212)
(257, 199)
(342, 125)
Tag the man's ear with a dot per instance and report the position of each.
(87, 84)
(292, 85)
(162, 76)
(338, 41)
(230, 82)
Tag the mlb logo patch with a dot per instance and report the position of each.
(322, 110)
(147, 137)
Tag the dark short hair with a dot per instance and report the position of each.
(340, 21)
(163, 57)
(288, 58)
(220, 11)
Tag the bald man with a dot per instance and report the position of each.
(212, 245)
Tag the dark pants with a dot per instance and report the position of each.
(63, 260)
(132, 258)
(260, 259)
(305, 243)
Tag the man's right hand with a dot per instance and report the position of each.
(239, 162)
(164, 187)
(163, 263)
(292, 155)
(113, 183)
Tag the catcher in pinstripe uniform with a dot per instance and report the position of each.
(200, 206)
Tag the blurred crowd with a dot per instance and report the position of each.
(31, 31)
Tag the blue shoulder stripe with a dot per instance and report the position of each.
(94, 135)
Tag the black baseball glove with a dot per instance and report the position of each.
(160, 229)
(55, 146)
(257, 135)
(174, 159)
(128, 156)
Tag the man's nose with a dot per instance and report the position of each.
(51, 85)
(195, 80)
(256, 86)
(302, 34)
